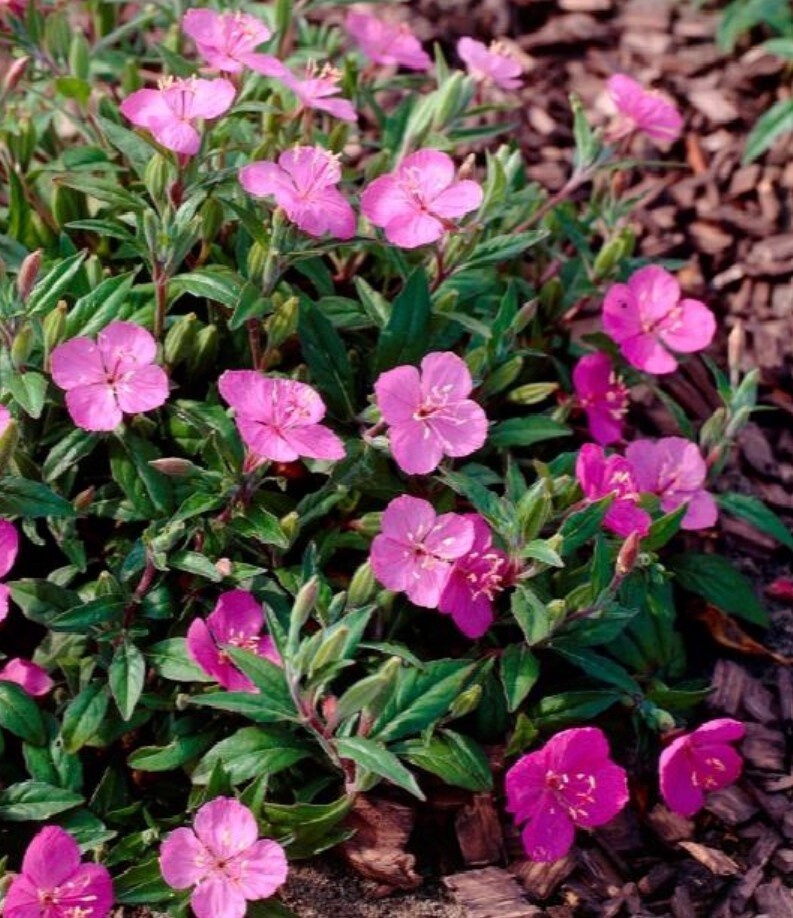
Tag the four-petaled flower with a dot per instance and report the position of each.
(417, 202)
(303, 183)
(386, 42)
(415, 549)
(318, 89)
(673, 468)
(648, 319)
(602, 395)
(571, 782)
(228, 41)
(429, 413)
(29, 676)
(170, 111)
(236, 620)
(54, 884)
(278, 419)
(490, 65)
(697, 763)
(224, 859)
(9, 548)
(114, 377)
(600, 476)
(475, 581)
(643, 110)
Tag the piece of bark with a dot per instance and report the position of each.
(775, 900)
(377, 850)
(729, 682)
(713, 104)
(478, 831)
(668, 826)
(758, 857)
(489, 893)
(764, 747)
(783, 860)
(732, 805)
(541, 880)
(682, 904)
(716, 861)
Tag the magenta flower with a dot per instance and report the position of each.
(228, 41)
(490, 65)
(415, 549)
(476, 579)
(303, 183)
(602, 395)
(5, 419)
(278, 419)
(673, 468)
(169, 111)
(317, 90)
(600, 476)
(417, 203)
(33, 678)
(224, 860)
(54, 884)
(237, 619)
(643, 110)
(647, 318)
(571, 782)
(699, 762)
(114, 377)
(386, 42)
(429, 412)
(9, 548)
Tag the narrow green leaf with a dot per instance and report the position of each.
(754, 511)
(374, 757)
(715, 579)
(20, 715)
(406, 338)
(126, 676)
(326, 356)
(83, 716)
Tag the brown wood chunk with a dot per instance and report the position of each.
(478, 830)
(489, 893)
(716, 861)
(541, 880)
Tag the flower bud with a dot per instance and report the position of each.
(80, 57)
(362, 586)
(14, 75)
(57, 36)
(610, 255)
(212, 216)
(84, 499)
(174, 467)
(450, 99)
(158, 177)
(106, 584)
(224, 567)
(204, 351)
(22, 346)
(551, 294)
(330, 649)
(28, 272)
(282, 324)
(94, 271)
(130, 77)
(67, 205)
(257, 259)
(8, 443)
(368, 524)
(337, 140)
(180, 339)
(54, 326)
(466, 701)
(628, 553)
(304, 602)
(290, 525)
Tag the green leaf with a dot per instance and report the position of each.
(326, 356)
(126, 676)
(374, 757)
(26, 498)
(778, 120)
(664, 529)
(142, 885)
(251, 752)
(540, 550)
(171, 660)
(268, 678)
(192, 562)
(83, 716)
(520, 670)
(503, 248)
(92, 614)
(67, 452)
(40, 600)
(52, 286)
(106, 190)
(261, 525)
(214, 284)
(601, 668)
(107, 301)
(20, 715)
(454, 758)
(555, 711)
(406, 336)
(34, 801)
(254, 707)
(714, 579)
(782, 47)
(754, 511)
(530, 613)
(742, 16)
(127, 142)
(30, 390)
(181, 749)
(526, 431)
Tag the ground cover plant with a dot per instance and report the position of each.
(309, 491)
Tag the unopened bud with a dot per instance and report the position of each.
(174, 467)
(28, 272)
(54, 326)
(257, 259)
(80, 57)
(466, 701)
(736, 347)
(304, 602)
(180, 339)
(204, 351)
(14, 75)
(84, 499)
(330, 649)
(282, 324)
(21, 346)
(610, 255)
(211, 216)
(8, 442)
(130, 77)
(628, 553)
(67, 205)
(368, 524)
(551, 294)
(290, 525)
(362, 586)
(224, 567)
(106, 584)
(466, 170)
(158, 176)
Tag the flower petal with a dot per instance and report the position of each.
(126, 346)
(226, 827)
(398, 394)
(549, 833)
(9, 546)
(51, 858)
(690, 329)
(142, 390)
(218, 897)
(77, 362)
(94, 407)
(262, 869)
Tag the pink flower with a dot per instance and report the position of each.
(647, 318)
(304, 183)
(416, 203)
(673, 468)
(33, 678)
(643, 110)
(317, 89)
(570, 782)
(699, 762)
(602, 395)
(5, 419)
(228, 41)
(224, 859)
(386, 42)
(278, 419)
(169, 111)
(14, 7)
(9, 548)
(429, 412)
(490, 65)
(54, 884)
(476, 579)
(600, 476)
(415, 549)
(113, 377)
(237, 619)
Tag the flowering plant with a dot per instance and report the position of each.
(289, 364)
